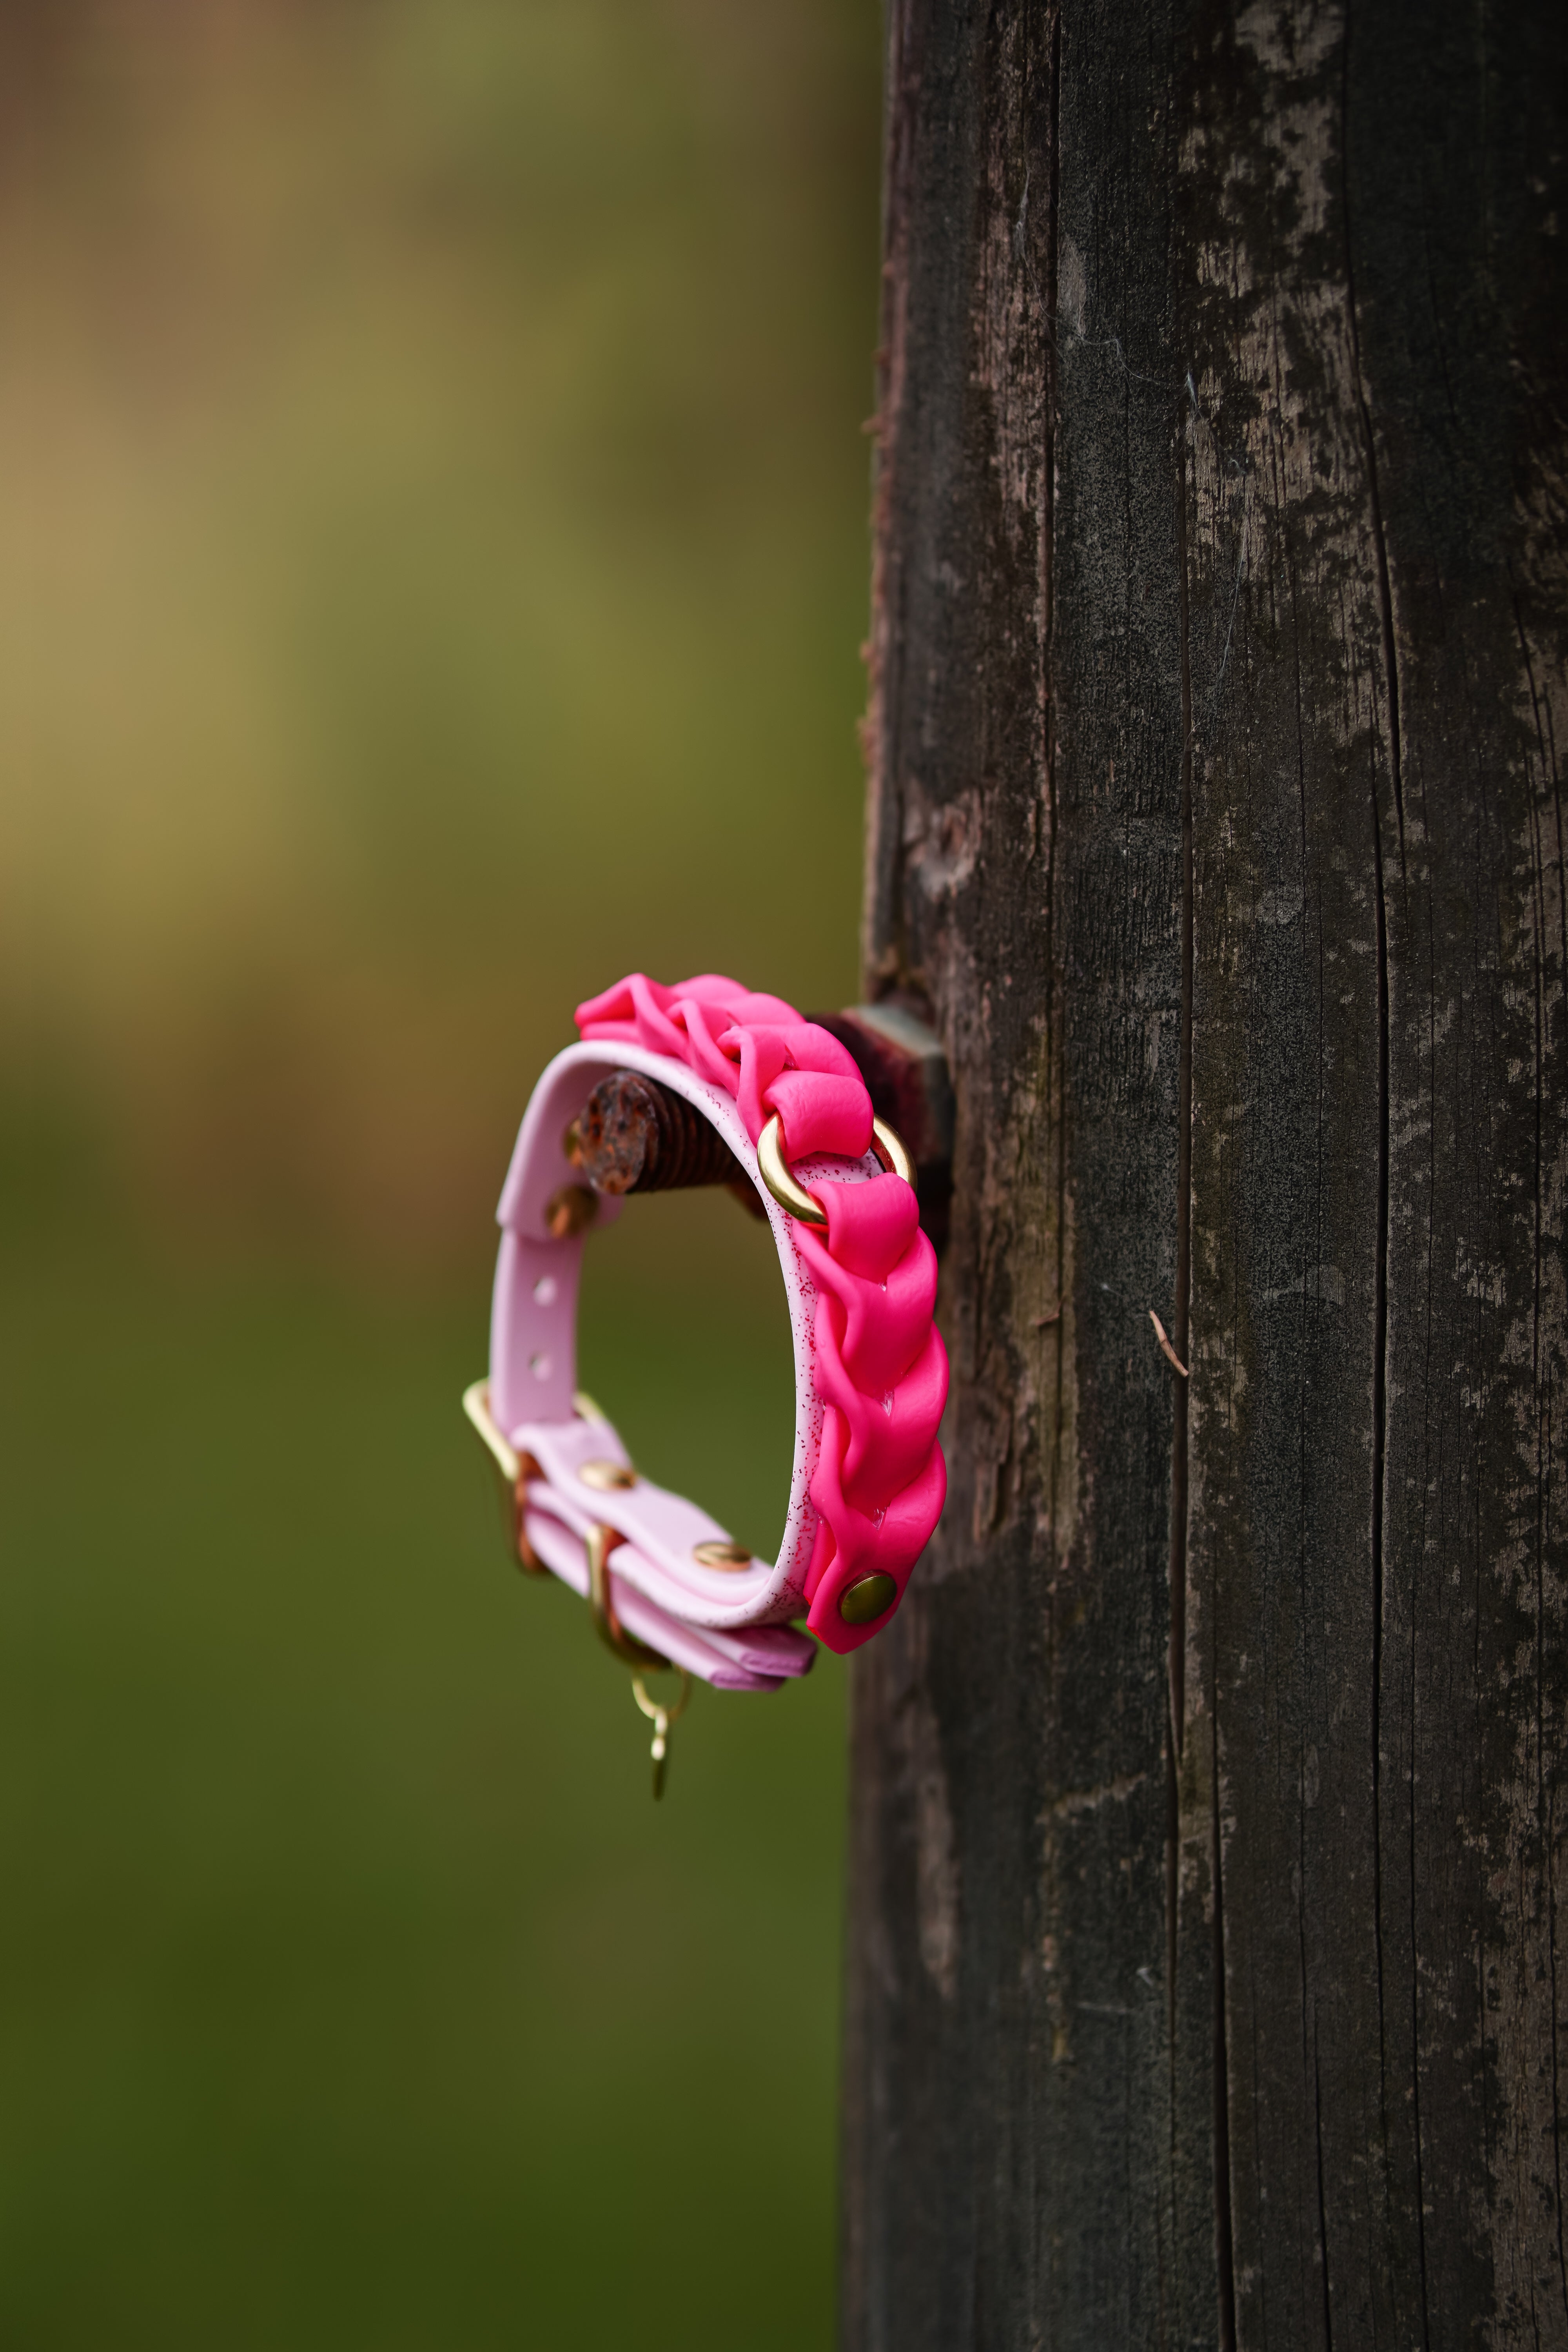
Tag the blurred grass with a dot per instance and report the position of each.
(356, 1993)
(435, 561)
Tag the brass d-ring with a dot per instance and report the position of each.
(888, 1146)
(780, 1178)
(602, 1541)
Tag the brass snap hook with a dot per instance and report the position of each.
(661, 1717)
(602, 1541)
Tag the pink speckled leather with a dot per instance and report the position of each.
(869, 1477)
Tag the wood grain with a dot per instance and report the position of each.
(1205, 1849)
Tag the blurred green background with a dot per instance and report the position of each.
(432, 576)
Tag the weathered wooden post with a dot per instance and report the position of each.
(1208, 1795)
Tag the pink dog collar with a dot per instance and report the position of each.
(868, 1478)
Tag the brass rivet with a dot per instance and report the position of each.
(606, 1477)
(728, 1555)
(570, 1212)
(866, 1598)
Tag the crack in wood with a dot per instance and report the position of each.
(1322, 2202)
(1380, 1307)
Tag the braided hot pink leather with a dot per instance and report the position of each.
(879, 1367)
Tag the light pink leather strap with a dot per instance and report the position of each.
(867, 1479)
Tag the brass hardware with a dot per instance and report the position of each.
(607, 1477)
(867, 1597)
(513, 1471)
(779, 1178)
(782, 1182)
(570, 1212)
(477, 1405)
(727, 1556)
(888, 1146)
(661, 1717)
(528, 1559)
(602, 1541)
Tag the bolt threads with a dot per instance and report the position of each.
(636, 1136)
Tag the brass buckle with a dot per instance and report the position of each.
(779, 1177)
(513, 1471)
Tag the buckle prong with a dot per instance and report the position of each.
(513, 1471)
(602, 1541)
